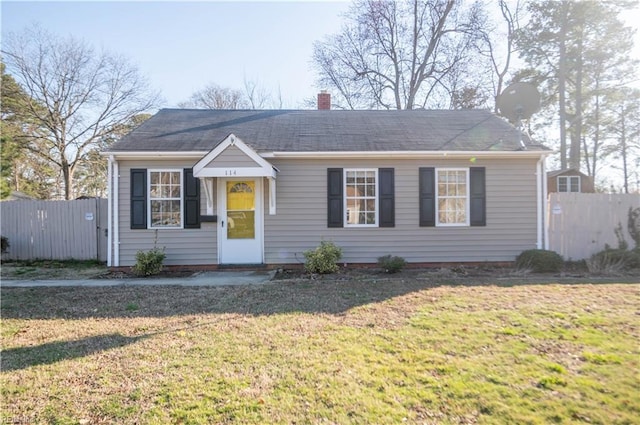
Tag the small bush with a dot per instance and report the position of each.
(323, 259)
(149, 263)
(391, 264)
(539, 261)
(4, 244)
(612, 261)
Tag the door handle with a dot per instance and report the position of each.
(222, 223)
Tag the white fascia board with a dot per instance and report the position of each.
(408, 154)
(337, 154)
(155, 154)
(231, 172)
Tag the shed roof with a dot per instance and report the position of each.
(183, 130)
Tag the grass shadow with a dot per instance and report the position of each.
(53, 352)
(328, 296)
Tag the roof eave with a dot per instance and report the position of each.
(410, 154)
(338, 154)
(154, 154)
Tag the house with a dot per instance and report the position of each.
(569, 180)
(218, 187)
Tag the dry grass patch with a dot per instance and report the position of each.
(391, 351)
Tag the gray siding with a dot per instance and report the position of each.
(232, 157)
(182, 246)
(301, 220)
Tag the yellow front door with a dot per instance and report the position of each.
(240, 230)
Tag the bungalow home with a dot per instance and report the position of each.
(218, 187)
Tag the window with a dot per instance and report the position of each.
(165, 198)
(361, 197)
(568, 183)
(452, 194)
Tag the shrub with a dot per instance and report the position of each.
(4, 244)
(323, 259)
(539, 261)
(612, 261)
(391, 264)
(149, 263)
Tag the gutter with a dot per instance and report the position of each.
(197, 155)
(406, 154)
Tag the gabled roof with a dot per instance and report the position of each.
(570, 171)
(184, 130)
(259, 167)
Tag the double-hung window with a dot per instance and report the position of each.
(165, 198)
(452, 194)
(568, 183)
(361, 197)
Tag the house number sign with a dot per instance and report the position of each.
(230, 172)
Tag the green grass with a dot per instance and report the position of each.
(323, 352)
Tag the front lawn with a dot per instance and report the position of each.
(377, 351)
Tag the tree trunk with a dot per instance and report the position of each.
(67, 176)
(623, 145)
(576, 124)
(562, 88)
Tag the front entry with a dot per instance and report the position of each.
(240, 221)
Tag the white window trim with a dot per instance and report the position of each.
(467, 203)
(344, 196)
(165, 170)
(568, 183)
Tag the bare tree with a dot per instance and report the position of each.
(92, 172)
(257, 96)
(215, 97)
(77, 95)
(499, 45)
(396, 54)
(624, 129)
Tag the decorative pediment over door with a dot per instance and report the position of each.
(232, 158)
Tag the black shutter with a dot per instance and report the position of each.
(138, 198)
(386, 192)
(335, 200)
(191, 200)
(427, 198)
(478, 203)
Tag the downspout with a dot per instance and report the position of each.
(545, 203)
(109, 209)
(116, 218)
(539, 204)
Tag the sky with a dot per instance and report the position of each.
(183, 46)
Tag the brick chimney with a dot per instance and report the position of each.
(324, 100)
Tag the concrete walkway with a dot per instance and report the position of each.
(216, 278)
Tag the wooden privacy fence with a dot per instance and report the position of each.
(581, 224)
(55, 230)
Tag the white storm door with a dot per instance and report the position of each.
(240, 221)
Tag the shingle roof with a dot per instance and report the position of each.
(321, 130)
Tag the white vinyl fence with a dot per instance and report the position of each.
(581, 224)
(55, 230)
